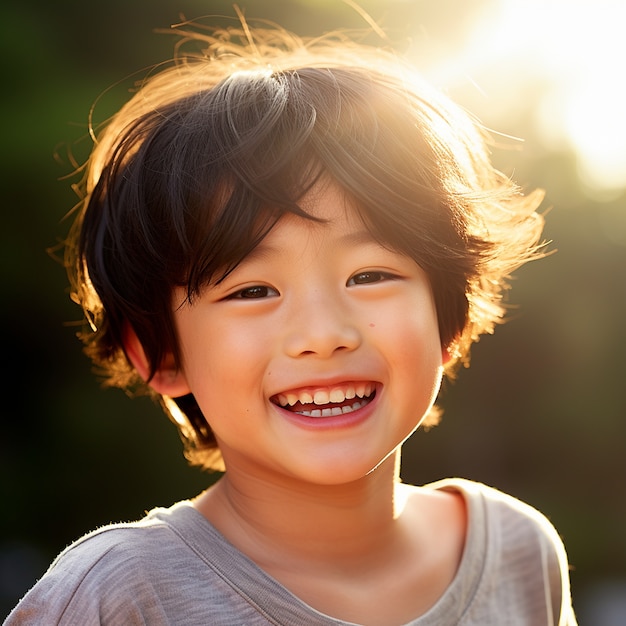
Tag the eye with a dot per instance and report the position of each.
(367, 278)
(255, 292)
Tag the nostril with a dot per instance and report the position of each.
(318, 352)
(320, 340)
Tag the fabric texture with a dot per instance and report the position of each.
(174, 567)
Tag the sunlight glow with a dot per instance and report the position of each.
(566, 58)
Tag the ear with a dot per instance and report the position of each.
(168, 380)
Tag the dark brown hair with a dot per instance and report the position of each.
(210, 152)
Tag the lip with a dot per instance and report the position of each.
(345, 420)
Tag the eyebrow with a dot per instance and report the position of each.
(358, 237)
(354, 238)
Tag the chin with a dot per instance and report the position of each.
(349, 468)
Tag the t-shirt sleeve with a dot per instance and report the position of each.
(95, 581)
(533, 561)
(556, 573)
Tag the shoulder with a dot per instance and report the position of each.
(502, 511)
(516, 554)
(120, 551)
(513, 529)
(116, 565)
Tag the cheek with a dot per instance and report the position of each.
(411, 332)
(224, 362)
(413, 352)
(419, 354)
(215, 339)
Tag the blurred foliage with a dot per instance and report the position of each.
(540, 413)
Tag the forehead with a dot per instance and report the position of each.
(327, 202)
(332, 218)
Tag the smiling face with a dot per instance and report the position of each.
(318, 355)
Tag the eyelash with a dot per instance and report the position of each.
(378, 276)
(259, 292)
(256, 292)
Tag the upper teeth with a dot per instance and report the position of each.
(327, 396)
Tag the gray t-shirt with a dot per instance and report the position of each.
(174, 567)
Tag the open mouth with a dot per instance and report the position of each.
(327, 402)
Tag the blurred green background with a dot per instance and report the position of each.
(540, 414)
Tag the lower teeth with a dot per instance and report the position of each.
(338, 410)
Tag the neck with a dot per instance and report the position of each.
(305, 521)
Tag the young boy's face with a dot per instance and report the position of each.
(318, 355)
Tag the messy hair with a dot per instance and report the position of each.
(215, 148)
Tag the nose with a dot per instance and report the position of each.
(321, 326)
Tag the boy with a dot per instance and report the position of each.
(290, 243)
